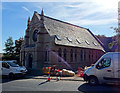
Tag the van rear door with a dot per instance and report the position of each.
(116, 58)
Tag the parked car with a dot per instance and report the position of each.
(105, 70)
(11, 69)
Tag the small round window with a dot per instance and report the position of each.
(35, 35)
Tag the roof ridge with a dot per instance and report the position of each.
(64, 22)
(96, 38)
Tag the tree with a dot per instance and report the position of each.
(100, 36)
(12, 52)
(116, 40)
(9, 49)
(18, 44)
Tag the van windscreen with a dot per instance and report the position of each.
(13, 64)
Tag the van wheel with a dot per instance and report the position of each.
(11, 76)
(93, 80)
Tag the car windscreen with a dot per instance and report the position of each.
(13, 64)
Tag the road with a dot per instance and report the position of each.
(62, 85)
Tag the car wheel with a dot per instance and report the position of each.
(93, 80)
(11, 76)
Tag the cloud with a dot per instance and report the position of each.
(87, 12)
(93, 13)
(86, 8)
(94, 22)
(26, 9)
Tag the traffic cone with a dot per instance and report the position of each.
(49, 77)
(57, 78)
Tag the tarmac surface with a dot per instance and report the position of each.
(41, 83)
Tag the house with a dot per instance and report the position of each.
(106, 41)
(50, 41)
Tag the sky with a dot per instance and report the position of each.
(97, 15)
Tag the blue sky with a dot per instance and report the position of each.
(98, 16)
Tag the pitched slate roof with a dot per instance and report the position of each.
(81, 37)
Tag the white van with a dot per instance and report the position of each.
(11, 69)
(105, 70)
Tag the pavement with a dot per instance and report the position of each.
(74, 78)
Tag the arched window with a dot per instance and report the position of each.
(92, 56)
(71, 55)
(75, 55)
(84, 55)
(59, 55)
(81, 55)
(89, 56)
(35, 35)
(46, 55)
(65, 57)
(96, 55)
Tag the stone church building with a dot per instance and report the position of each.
(50, 41)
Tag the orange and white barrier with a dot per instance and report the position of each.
(46, 70)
